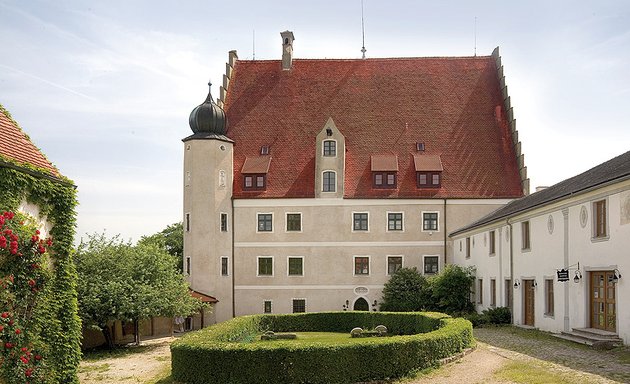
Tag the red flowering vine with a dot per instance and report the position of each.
(22, 277)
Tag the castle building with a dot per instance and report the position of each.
(307, 183)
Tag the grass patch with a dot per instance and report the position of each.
(100, 368)
(532, 373)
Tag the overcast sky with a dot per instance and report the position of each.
(105, 88)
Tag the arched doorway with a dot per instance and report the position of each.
(361, 305)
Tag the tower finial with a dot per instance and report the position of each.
(209, 98)
(363, 50)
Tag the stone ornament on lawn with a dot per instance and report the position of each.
(356, 332)
(381, 329)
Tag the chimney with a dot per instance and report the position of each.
(541, 188)
(287, 49)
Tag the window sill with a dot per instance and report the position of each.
(600, 239)
(549, 316)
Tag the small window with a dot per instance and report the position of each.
(329, 182)
(224, 266)
(361, 265)
(599, 216)
(267, 306)
(294, 222)
(419, 146)
(299, 305)
(428, 179)
(395, 221)
(549, 305)
(525, 235)
(429, 221)
(360, 221)
(330, 148)
(394, 263)
(224, 222)
(384, 179)
(431, 265)
(188, 222)
(255, 182)
(187, 178)
(468, 247)
(493, 293)
(492, 248)
(479, 291)
(264, 150)
(265, 266)
(296, 266)
(265, 222)
(188, 265)
(508, 293)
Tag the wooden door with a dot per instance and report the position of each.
(528, 302)
(603, 307)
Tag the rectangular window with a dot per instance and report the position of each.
(188, 265)
(265, 222)
(255, 182)
(224, 222)
(296, 266)
(549, 306)
(384, 179)
(224, 266)
(361, 265)
(431, 265)
(492, 238)
(265, 266)
(267, 306)
(360, 221)
(479, 291)
(395, 221)
(493, 293)
(525, 235)
(294, 222)
(394, 263)
(429, 221)
(599, 215)
(428, 179)
(508, 293)
(330, 148)
(188, 222)
(299, 305)
(329, 182)
(468, 247)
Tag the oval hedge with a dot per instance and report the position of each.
(223, 353)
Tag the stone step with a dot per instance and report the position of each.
(590, 340)
(595, 333)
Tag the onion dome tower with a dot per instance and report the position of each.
(208, 117)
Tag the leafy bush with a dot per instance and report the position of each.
(405, 291)
(450, 290)
(499, 315)
(226, 357)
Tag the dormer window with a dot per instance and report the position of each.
(330, 148)
(264, 150)
(419, 147)
(384, 171)
(255, 171)
(428, 171)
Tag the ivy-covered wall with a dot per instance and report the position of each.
(58, 322)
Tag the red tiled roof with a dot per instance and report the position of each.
(382, 107)
(256, 164)
(16, 146)
(382, 163)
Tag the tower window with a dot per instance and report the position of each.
(329, 182)
(330, 148)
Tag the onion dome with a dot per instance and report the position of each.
(208, 117)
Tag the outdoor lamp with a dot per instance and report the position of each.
(517, 283)
(578, 276)
(616, 276)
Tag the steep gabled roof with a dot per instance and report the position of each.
(610, 171)
(382, 107)
(17, 147)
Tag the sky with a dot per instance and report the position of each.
(105, 88)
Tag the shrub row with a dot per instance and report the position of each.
(221, 353)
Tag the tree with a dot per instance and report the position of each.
(405, 291)
(119, 281)
(450, 290)
(171, 239)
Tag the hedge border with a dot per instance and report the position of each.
(222, 354)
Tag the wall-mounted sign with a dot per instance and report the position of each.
(563, 275)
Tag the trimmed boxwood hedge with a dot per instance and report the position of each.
(222, 353)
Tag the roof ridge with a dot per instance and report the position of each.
(374, 58)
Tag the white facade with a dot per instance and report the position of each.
(562, 235)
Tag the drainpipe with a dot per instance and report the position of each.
(233, 264)
(507, 221)
(444, 233)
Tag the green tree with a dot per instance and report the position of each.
(171, 239)
(450, 290)
(120, 281)
(405, 291)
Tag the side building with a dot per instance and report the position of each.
(556, 257)
(309, 182)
